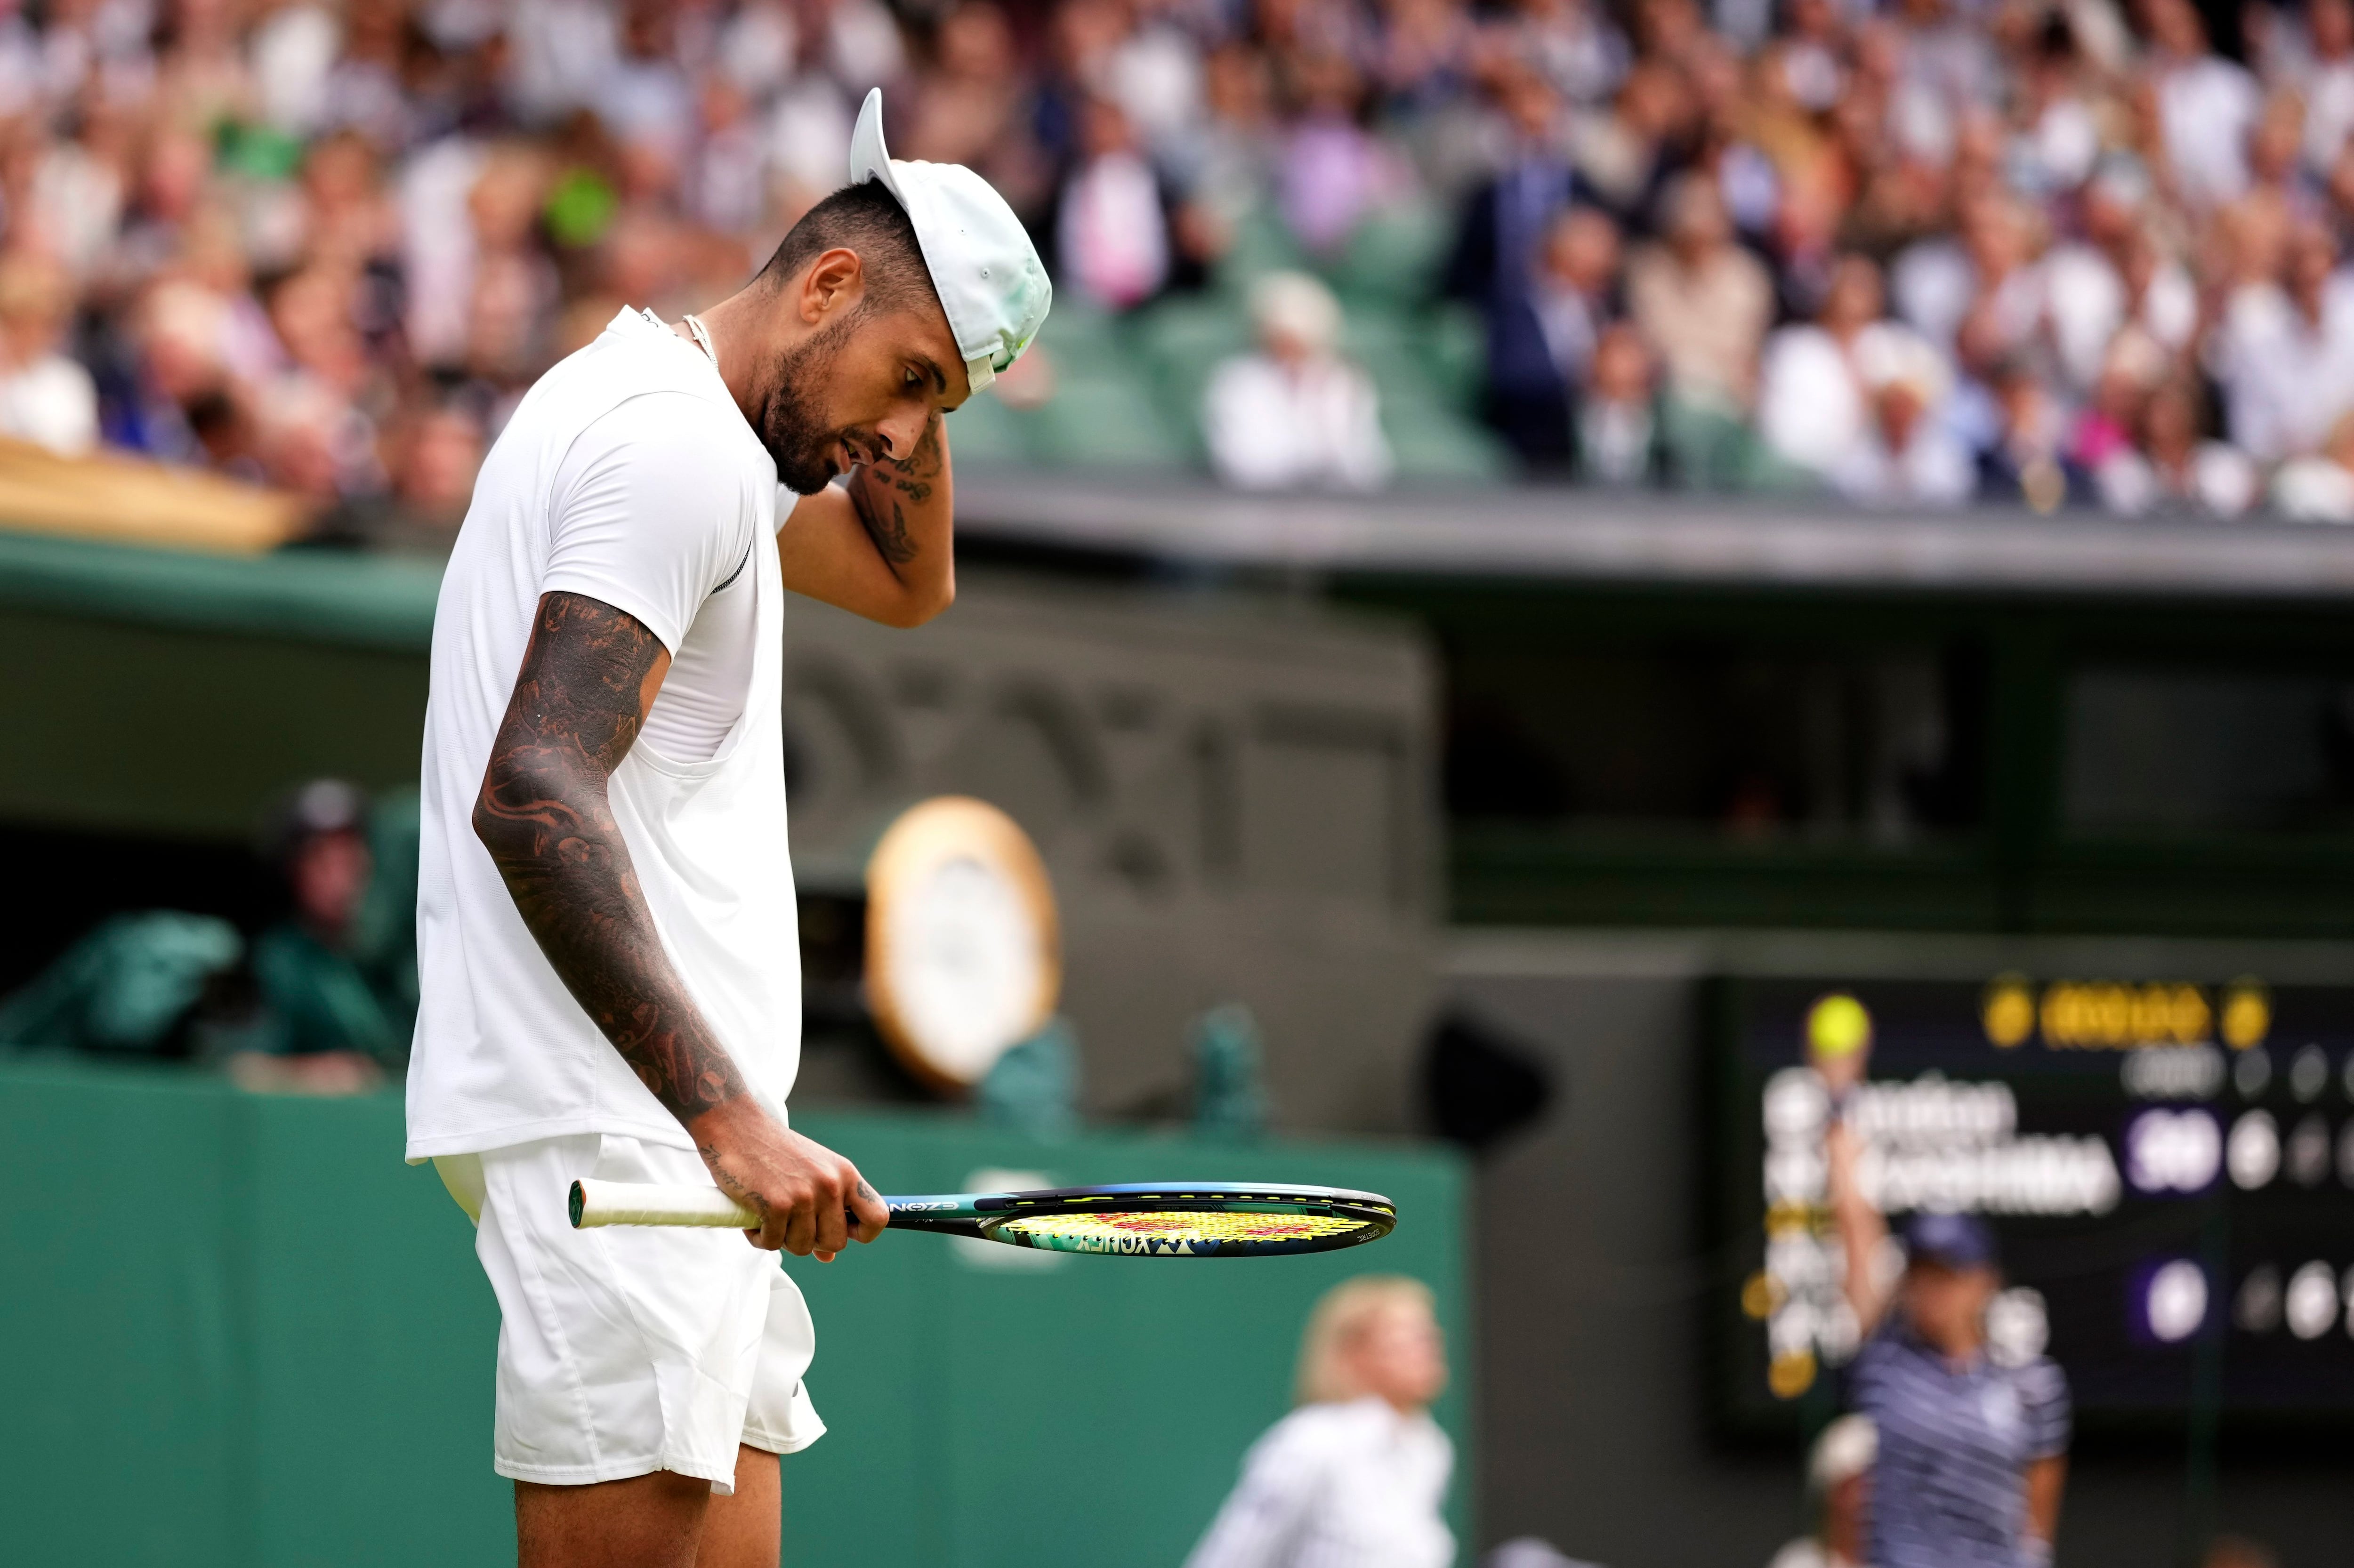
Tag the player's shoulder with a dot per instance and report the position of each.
(2039, 1379)
(1327, 1427)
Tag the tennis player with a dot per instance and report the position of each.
(606, 918)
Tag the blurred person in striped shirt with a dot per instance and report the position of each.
(1973, 1444)
(1354, 1477)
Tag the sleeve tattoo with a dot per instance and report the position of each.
(881, 487)
(544, 816)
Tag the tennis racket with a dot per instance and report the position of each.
(1147, 1219)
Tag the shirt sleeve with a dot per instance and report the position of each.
(1264, 1515)
(2051, 1413)
(649, 514)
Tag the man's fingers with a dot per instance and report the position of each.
(833, 1228)
(801, 1228)
(867, 1212)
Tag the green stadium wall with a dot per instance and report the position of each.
(239, 1330)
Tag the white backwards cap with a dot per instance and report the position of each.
(991, 281)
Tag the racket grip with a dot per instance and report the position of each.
(597, 1203)
(594, 1203)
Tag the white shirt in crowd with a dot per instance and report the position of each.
(2285, 379)
(1315, 425)
(628, 475)
(1338, 1486)
(51, 402)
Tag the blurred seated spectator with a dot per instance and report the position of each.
(2026, 463)
(45, 397)
(322, 1002)
(1114, 234)
(2284, 352)
(1357, 1472)
(1910, 455)
(1541, 341)
(1620, 440)
(2174, 466)
(1333, 172)
(1839, 1489)
(1704, 304)
(1295, 415)
(1504, 239)
(2320, 489)
(339, 973)
(2206, 104)
(1813, 406)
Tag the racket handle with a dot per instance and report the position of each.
(597, 1203)
(644, 1203)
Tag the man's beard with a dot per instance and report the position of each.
(790, 427)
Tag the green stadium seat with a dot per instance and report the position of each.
(1102, 418)
(1393, 257)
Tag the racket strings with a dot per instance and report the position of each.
(1180, 1226)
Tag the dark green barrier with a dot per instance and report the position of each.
(236, 1330)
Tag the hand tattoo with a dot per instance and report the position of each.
(544, 816)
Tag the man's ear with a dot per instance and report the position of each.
(835, 280)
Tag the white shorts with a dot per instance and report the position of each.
(628, 1350)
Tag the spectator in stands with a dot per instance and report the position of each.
(1357, 1472)
(338, 976)
(2320, 489)
(1113, 232)
(1704, 304)
(388, 201)
(1620, 440)
(1839, 1488)
(1500, 244)
(1542, 340)
(45, 398)
(1294, 415)
(1855, 400)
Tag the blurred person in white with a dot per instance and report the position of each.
(2206, 104)
(1701, 299)
(1813, 406)
(1911, 454)
(1839, 1488)
(2320, 489)
(1294, 415)
(1354, 1477)
(2328, 82)
(45, 397)
(2285, 351)
(2115, 273)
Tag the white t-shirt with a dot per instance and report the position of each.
(629, 475)
(1355, 1484)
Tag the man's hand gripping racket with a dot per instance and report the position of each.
(1167, 1218)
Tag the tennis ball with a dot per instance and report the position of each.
(1837, 1026)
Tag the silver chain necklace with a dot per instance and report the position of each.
(703, 336)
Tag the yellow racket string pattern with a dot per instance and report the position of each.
(1177, 1231)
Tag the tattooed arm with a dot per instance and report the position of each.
(881, 545)
(588, 679)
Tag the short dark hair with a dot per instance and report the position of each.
(868, 219)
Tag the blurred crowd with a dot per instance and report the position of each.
(1926, 252)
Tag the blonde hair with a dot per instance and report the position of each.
(1340, 1318)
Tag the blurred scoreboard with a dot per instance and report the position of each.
(2169, 1166)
